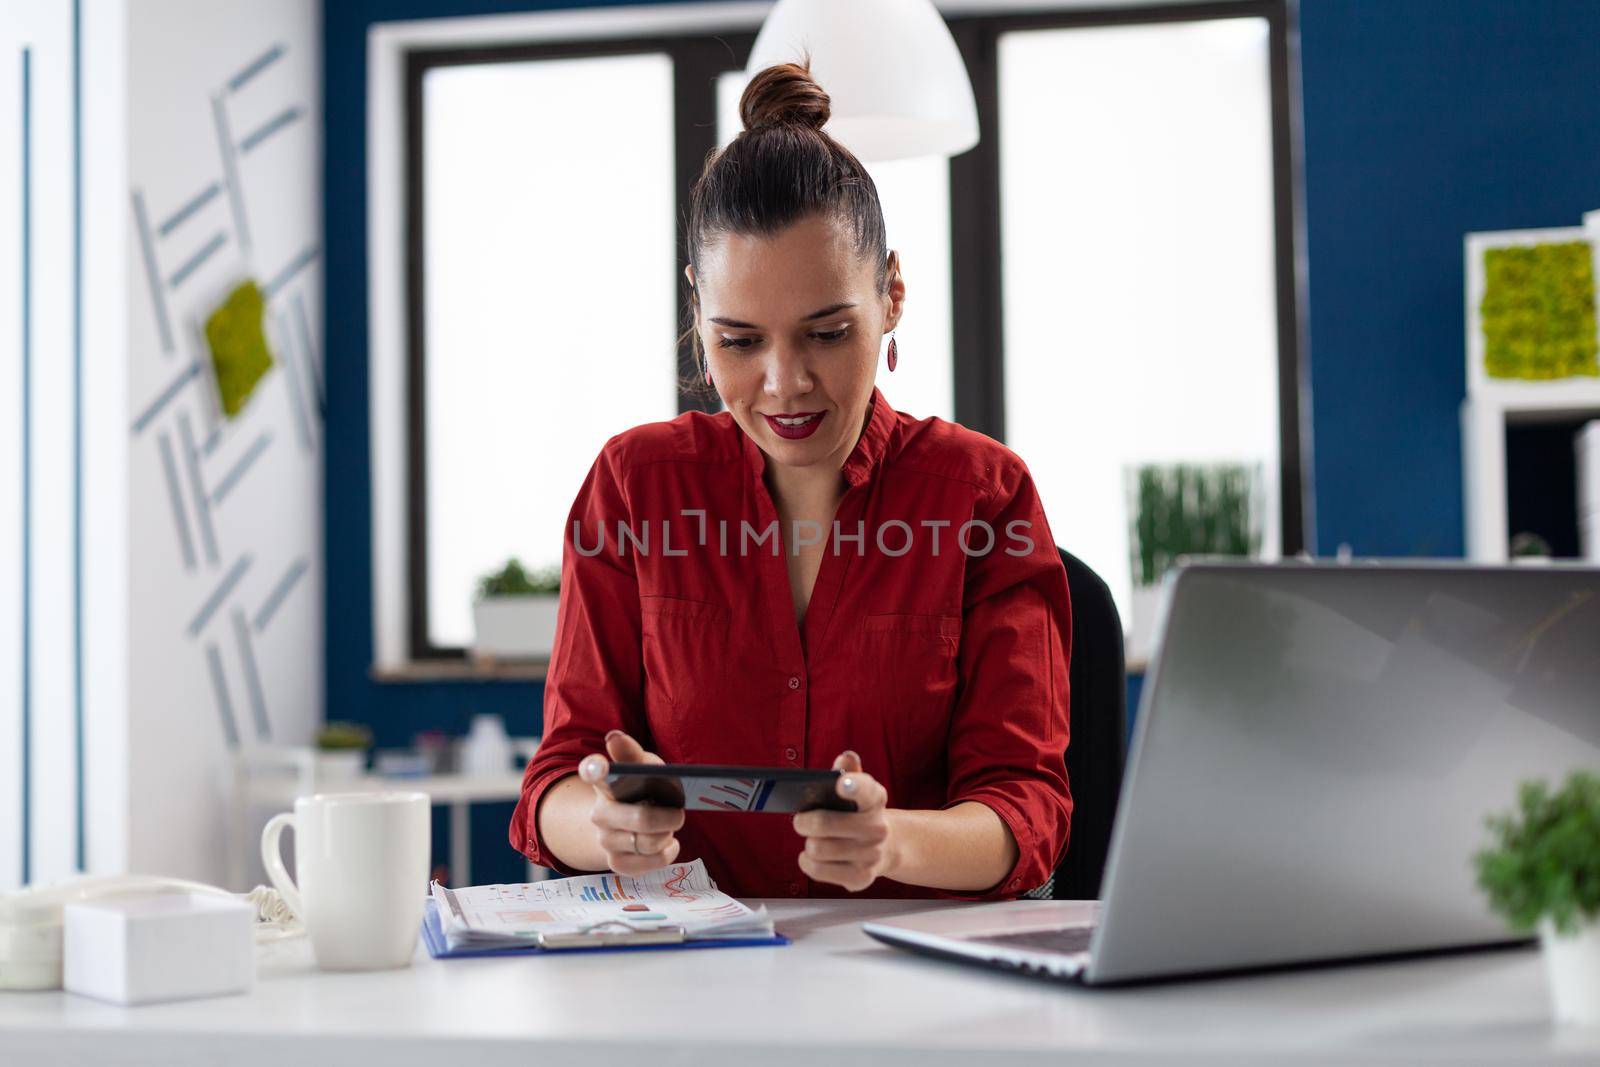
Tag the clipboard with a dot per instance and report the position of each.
(612, 932)
(433, 937)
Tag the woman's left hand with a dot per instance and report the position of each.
(849, 848)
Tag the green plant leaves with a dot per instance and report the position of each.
(1192, 510)
(514, 580)
(1544, 858)
(343, 736)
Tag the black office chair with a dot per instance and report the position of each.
(1097, 716)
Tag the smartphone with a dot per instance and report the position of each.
(696, 787)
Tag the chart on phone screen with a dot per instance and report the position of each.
(680, 895)
(733, 794)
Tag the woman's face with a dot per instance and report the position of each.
(791, 326)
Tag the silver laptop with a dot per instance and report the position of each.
(1316, 748)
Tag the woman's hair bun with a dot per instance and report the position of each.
(784, 95)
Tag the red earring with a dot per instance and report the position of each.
(708, 375)
(894, 353)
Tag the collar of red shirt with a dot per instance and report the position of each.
(869, 450)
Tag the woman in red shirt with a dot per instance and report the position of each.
(808, 577)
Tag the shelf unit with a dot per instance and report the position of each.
(1492, 404)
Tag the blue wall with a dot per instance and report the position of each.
(1424, 119)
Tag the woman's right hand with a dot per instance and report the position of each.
(635, 837)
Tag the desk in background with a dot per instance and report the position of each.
(833, 998)
(253, 791)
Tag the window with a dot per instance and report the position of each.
(1107, 280)
(535, 219)
(1137, 236)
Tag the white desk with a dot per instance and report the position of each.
(832, 998)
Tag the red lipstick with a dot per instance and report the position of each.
(795, 431)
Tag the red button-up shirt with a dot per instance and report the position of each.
(944, 666)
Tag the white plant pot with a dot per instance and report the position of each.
(1589, 533)
(341, 764)
(514, 627)
(1141, 625)
(1572, 962)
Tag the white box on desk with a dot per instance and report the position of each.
(148, 949)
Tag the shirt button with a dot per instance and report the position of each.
(794, 889)
(794, 681)
(1015, 882)
(790, 754)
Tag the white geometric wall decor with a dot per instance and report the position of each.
(224, 167)
(160, 571)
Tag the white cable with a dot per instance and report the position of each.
(275, 920)
(270, 905)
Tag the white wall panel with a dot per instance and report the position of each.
(41, 454)
(225, 535)
(183, 537)
(53, 454)
(105, 278)
(12, 516)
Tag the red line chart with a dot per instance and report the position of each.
(674, 885)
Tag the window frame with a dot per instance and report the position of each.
(696, 63)
(976, 269)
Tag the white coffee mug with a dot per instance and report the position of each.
(362, 860)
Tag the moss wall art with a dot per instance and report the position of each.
(1537, 312)
(238, 346)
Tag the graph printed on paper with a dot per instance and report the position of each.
(680, 895)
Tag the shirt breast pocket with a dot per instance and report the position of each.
(684, 649)
(911, 667)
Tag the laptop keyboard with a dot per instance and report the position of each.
(1065, 939)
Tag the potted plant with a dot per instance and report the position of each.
(1541, 872)
(514, 615)
(1185, 509)
(1529, 548)
(342, 749)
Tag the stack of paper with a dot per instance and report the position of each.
(681, 896)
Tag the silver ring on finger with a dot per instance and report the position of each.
(636, 847)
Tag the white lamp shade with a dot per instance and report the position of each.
(890, 67)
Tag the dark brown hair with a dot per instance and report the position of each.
(782, 169)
